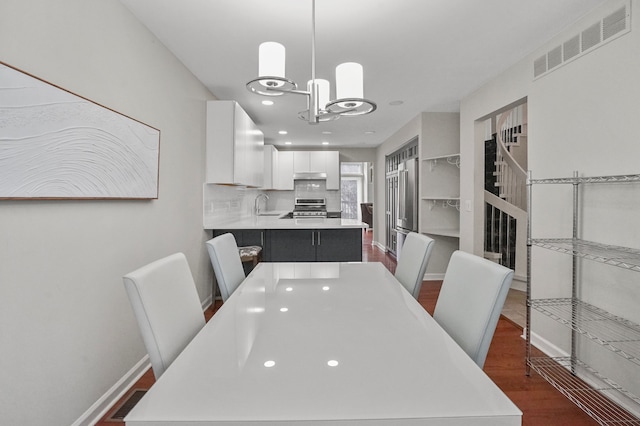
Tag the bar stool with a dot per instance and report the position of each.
(251, 254)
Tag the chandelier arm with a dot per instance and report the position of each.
(295, 92)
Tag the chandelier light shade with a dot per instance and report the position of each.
(324, 87)
(321, 94)
(349, 80)
(271, 60)
(272, 81)
(350, 91)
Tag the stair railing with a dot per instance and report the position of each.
(511, 178)
(504, 221)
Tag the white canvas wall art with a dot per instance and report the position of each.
(55, 144)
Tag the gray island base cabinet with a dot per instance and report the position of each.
(315, 245)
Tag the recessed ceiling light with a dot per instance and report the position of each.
(326, 132)
(369, 132)
(287, 143)
(396, 103)
(325, 143)
(282, 132)
(268, 103)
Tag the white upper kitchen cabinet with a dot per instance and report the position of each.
(332, 164)
(234, 146)
(270, 167)
(301, 162)
(284, 170)
(319, 162)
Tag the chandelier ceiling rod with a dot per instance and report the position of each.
(313, 95)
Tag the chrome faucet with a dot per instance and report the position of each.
(256, 203)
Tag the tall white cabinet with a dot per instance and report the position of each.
(234, 149)
(439, 186)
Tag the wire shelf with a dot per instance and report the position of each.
(622, 257)
(588, 179)
(616, 334)
(557, 371)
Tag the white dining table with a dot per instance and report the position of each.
(323, 344)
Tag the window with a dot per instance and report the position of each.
(352, 188)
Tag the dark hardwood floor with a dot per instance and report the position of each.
(540, 403)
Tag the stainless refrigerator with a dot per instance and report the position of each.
(407, 217)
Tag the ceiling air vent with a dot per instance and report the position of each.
(595, 35)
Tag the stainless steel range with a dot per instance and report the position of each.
(310, 207)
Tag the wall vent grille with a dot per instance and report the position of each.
(597, 34)
(571, 48)
(554, 57)
(540, 65)
(591, 36)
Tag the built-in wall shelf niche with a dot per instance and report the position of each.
(451, 159)
(439, 187)
(444, 202)
(443, 232)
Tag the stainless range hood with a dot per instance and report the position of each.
(309, 176)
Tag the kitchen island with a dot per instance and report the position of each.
(295, 240)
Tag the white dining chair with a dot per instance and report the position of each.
(166, 305)
(412, 263)
(227, 266)
(471, 300)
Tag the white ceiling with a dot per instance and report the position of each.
(428, 54)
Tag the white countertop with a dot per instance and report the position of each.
(271, 220)
(323, 343)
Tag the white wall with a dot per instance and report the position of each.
(582, 116)
(67, 332)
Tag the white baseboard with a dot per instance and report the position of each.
(519, 283)
(548, 348)
(106, 401)
(207, 302)
(379, 246)
(433, 277)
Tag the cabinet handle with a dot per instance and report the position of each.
(262, 239)
(313, 238)
(318, 237)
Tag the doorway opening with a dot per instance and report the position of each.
(356, 188)
(505, 165)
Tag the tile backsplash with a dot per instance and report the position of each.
(227, 202)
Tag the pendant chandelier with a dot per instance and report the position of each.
(349, 100)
